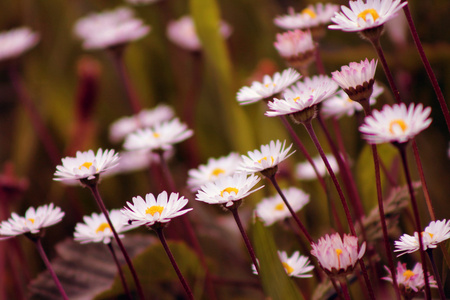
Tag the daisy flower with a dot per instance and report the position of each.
(145, 118)
(110, 28)
(268, 87)
(33, 221)
(296, 47)
(228, 189)
(310, 17)
(295, 266)
(96, 229)
(338, 256)
(273, 209)
(395, 124)
(364, 15)
(15, 42)
(435, 233)
(86, 165)
(222, 166)
(155, 210)
(265, 159)
(160, 137)
(305, 171)
(182, 32)
(410, 282)
(131, 161)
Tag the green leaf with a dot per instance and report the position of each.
(276, 283)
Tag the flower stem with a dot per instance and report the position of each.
(44, 257)
(159, 232)
(337, 289)
(436, 274)
(234, 211)
(344, 289)
(119, 270)
(94, 189)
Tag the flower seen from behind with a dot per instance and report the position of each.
(15, 42)
(295, 266)
(296, 47)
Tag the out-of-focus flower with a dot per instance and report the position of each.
(395, 123)
(295, 266)
(182, 32)
(310, 17)
(33, 221)
(305, 171)
(296, 47)
(14, 42)
(273, 209)
(131, 161)
(141, 2)
(110, 28)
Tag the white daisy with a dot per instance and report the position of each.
(305, 171)
(222, 166)
(268, 157)
(160, 137)
(268, 87)
(182, 32)
(395, 123)
(363, 15)
(155, 210)
(96, 229)
(227, 189)
(86, 165)
(110, 28)
(132, 161)
(33, 221)
(15, 42)
(311, 16)
(295, 266)
(296, 47)
(355, 74)
(435, 233)
(409, 281)
(273, 209)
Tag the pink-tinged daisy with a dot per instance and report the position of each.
(363, 15)
(110, 28)
(33, 221)
(266, 159)
(160, 137)
(338, 256)
(410, 282)
(341, 105)
(395, 124)
(86, 165)
(435, 233)
(305, 171)
(296, 47)
(268, 87)
(273, 209)
(95, 228)
(227, 190)
(222, 166)
(310, 17)
(132, 161)
(295, 266)
(15, 42)
(357, 79)
(182, 32)
(151, 211)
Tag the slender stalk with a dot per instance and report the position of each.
(416, 217)
(337, 289)
(159, 232)
(319, 62)
(37, 242)
(234, 211)
(436, 274)
(119, 270)
(294, 215)
(344, 289)
(427, 65)
(94, 189)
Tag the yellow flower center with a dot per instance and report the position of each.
(279, 206)
(87, 165)
(369, 11)
(309, 12)
(31, 220)
(265, 158)
(397, 123)
(339, 253)
(102, 227)
(408, 274)
(296, 99)
(156, 135)
(270, 84)
(229, 190)
(217, 171)
(288, 268)
(154, 209)
(431, 235)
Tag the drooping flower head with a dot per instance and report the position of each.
(155, 210)
(295, 266)
(395, 124)
(268, 87)
(267, 159)
(309, 18)
(96, 229)
(110, 28)
(435, 233)
(33, 221)
(296, 47)
(228, 190)
(305, 171)
(222, 166)
(160, 137)
(182, 32)
(14, 42)
(86, 165)
(273, 209)
(338, 256)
